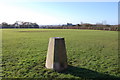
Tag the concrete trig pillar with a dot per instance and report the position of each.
(56, 55)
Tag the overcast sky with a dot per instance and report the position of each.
(48, 13)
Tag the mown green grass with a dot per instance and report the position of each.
(91, 53)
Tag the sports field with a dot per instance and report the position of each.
(90, 53)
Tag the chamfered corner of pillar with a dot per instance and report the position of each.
(56, 55)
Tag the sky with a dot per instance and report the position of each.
(58, 13)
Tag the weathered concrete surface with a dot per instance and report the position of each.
(56, 55)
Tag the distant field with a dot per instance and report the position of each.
(91, 53)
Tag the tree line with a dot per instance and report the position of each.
(88, 26)
(20, 24)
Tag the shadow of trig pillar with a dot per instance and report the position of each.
(56, 54)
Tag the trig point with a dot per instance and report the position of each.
(56, 55)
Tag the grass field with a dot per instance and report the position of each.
(90, 53)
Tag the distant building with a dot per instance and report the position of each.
(0, 25)
(69, 24)
(21, 24)
(17, 24)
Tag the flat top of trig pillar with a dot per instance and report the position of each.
(57, 38)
